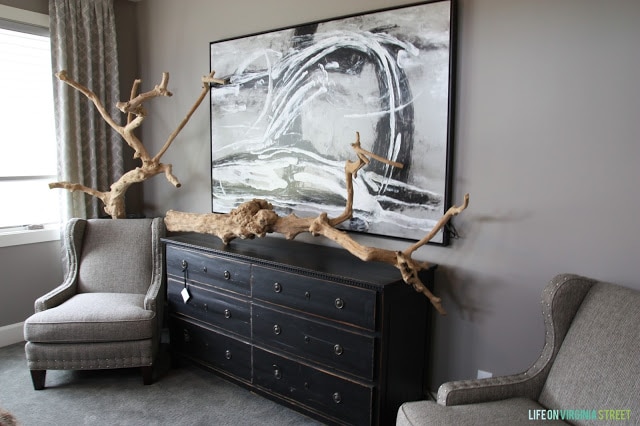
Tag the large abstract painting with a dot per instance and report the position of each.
(282, 128)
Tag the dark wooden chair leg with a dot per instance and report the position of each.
(147, 374)
(37, 377)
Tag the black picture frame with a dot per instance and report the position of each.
(282, 128)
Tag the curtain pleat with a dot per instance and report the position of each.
(83, 42)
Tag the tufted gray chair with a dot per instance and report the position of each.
(108, 311)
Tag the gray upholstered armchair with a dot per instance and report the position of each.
(590, 364)
(108, 311)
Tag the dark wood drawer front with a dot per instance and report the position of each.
(348, 401)
(208, 306)
(338, 348)
(334, 301)
(225, 353)
(309, 326)
(208, 269)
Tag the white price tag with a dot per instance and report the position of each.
(185, 295)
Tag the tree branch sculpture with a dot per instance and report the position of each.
(114, 199)
(257, 218)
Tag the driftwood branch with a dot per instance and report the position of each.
(113, 199)
(256, 218)
(205, 89)
(77, 187)
(64, 77)
(134, 91)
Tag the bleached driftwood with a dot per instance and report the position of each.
(256, 218)
(114, 199)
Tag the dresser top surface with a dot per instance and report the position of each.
(314, 258)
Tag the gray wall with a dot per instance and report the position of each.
(39, 6)
(28, 272)
(127, 35)
(546, 144)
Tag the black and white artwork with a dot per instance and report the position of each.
(282, 129)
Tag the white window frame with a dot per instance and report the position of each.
(24, 235)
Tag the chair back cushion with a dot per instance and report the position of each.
(598, 364)
(116, 256)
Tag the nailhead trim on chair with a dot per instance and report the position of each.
(90, 364)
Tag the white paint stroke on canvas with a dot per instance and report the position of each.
(281, 130)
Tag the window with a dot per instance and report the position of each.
(27, 134)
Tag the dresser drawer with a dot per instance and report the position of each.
(207, 269)
(338, 348)
(327, 299)
(348, 401)
(208, 306)
(222, 352)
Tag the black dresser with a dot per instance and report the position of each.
(309, 326)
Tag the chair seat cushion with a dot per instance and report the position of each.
(92, 317)
(508, 412)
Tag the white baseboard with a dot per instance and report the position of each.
(10, 334)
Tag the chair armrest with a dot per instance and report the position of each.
(56, 296)
(154, 294)
(72, 243)
(491, 389)
(561, 299)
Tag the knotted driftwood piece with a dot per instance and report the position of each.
(256, 218)
(114, 199)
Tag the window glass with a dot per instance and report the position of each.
(27, 134)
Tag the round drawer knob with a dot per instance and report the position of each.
(307, 295)
(227, 313)
(277, 287)
(204, 269)
(205, 307)
(227, 275)
(339, 303)
(184, 264)
(337, 349)
(227, 354)
(307, 339)
(276, 372)
(337, 398)
(277, 329)
(186, 337)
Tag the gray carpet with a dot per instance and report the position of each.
(184, 396)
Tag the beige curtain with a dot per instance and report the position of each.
(83, 42)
